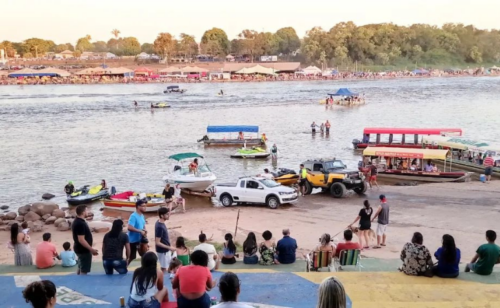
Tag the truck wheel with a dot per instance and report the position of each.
(338, 190)
(273, 202)
(361, 189)
(226, 200)
(309, 188)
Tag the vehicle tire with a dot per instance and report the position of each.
(338, 190)
(273, 202)
(226, 200)
(360, 190)
(309, 188)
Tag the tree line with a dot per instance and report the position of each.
(343, 44)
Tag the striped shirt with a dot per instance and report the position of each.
(488, 161)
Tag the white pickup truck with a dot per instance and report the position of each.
(255, 190)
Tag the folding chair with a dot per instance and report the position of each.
(319, 260)
(348, 258)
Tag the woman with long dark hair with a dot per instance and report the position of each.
(19, 242)
(181, 251)
(146, 290)
(40, 294)
(193, 282)
(364, 218)
(229, 250)
(229, 287)
(112, 249)
(250, 249)
(448, 257)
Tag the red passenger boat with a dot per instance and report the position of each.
(400, 137)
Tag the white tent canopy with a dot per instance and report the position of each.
(257, 69)
(311, 70)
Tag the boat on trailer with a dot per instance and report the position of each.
(125, 201)
(181, 173)
(406, 164)
(233, 135)
(400, 137)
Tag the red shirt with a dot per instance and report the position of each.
(193, 278)
(346, 246)
(45, 253)
(489, 162)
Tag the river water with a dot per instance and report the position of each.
(84, 133)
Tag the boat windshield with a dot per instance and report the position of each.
(334, 164)
(269, 183)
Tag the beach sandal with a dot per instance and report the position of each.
(377, 247)
(366, 247)
(383, 245)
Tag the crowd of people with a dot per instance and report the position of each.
(290, 76)
(190, 271)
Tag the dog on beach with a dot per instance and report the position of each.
(371, 234)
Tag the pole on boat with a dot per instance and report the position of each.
(237, 220)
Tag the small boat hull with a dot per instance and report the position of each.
(251, 156)
(287, 179)
(233, 142)
(129, 206)
(88, 198)
(193, 183)
(420, 176)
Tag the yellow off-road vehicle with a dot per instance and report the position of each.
(333, 177)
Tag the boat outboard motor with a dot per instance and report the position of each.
(205, 138)
(355, 143)
(177, 167)
(113, 191)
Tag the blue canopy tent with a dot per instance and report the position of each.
(343, 92)
(233, 129)
(27, 72)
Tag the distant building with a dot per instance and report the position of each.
(65, 54)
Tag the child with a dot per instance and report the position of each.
(68, 256)
(174, 266)
(26, 230)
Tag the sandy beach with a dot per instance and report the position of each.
(464, 210)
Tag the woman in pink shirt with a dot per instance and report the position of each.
(193, 282)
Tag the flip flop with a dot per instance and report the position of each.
(376, 247)
(366, 247)
(383, 245)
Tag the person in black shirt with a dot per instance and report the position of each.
(83, 240)
(112, 249)
(69, 189)
(168, 192)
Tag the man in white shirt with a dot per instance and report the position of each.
(267, 175)
(213, 258)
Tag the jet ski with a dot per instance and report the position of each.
(286, 177)
(254, 152)
(160, 105)
(88, 194)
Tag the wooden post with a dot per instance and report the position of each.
(236, 228)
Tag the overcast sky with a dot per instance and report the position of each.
(66, 20)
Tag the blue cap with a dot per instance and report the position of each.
(140, 202)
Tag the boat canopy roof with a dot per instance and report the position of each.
(233, 129)
(343, 92)
(413, 131)
(173, 87)
(460, 143)
(406, 153)
(182, 156)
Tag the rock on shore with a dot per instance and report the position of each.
(44, 208)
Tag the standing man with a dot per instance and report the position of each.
(286, 248)
(136, 232)
(383, 220)
(327, 126)
(303, 179)
(162, 242)
(82, 238)
(274, 151)
(373, 174)
(488, 164)
(313, 127)
(69, 189)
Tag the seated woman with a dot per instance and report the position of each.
(41, 294)
(112, 249)
(417, 260)
(267, 249)
(193, 167)
(250, 249)
(229, 251)
(103, 184)
(324, 245)
(193, 282)
(181, 251)
(448, 257)
(146, 290)
(229, 287)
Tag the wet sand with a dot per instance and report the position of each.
(464, 210)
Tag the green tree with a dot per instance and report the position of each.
(115, 33)
(288, 40)
(147, 48)
(475, 55)
(100, 46)
(215, 42)
(164, 45)
(115, 46)
(84, 44)
(37, 47)
(187, 45)
(130, 46)
(60, 48)
(10, 51)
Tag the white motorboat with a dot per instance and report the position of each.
(183, 173)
